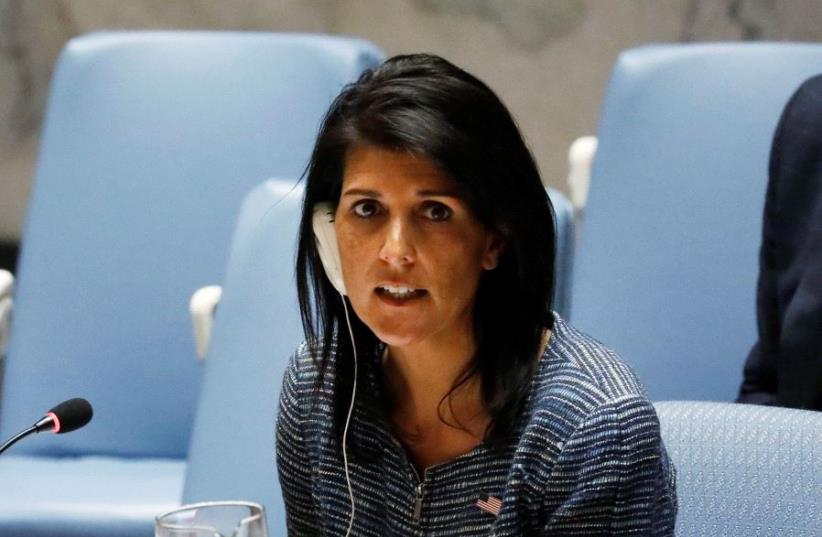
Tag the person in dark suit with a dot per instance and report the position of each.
(784, 367)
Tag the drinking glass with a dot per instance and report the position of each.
(213, 519)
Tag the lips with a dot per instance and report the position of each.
(399, 294)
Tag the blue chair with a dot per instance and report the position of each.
(744, 470)
(666, 264)
(564, 266)
(256, 329)
(150, 143)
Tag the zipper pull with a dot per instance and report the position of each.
(418, 504)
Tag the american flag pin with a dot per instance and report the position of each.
(489, 504)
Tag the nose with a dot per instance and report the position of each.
(397, 248)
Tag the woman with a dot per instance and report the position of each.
(450, 400)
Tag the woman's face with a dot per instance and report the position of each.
(412, 252)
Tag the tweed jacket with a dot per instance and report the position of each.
(586, 459)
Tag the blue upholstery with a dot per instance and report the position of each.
(150, 143)
(666, 264)
(256, 329)
(86, 497)
(564, 212)
(744, 470)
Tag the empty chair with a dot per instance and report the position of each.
(256, 329)
(744, 470)
(666, 264)
(150, 143)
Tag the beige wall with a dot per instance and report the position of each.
(549, 60)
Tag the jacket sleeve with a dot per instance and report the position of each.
(612, 476)
(759, 380)
(292, 458)
(784, 366)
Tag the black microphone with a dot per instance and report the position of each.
(68, 416)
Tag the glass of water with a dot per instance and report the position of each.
(213, 519)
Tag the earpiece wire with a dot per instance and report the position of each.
(348, 418)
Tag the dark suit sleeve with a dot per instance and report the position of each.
(784, 366)
(759, 376)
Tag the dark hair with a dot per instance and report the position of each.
(424, 105)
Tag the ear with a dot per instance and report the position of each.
(494, 248)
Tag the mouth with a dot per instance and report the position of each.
(398, 295)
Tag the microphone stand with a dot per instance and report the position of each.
(45, 421)
(19, 436)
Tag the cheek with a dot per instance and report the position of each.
(353, 255)
(458, 264)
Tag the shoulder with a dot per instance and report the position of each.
(810, 88)
(592, 434)
(628, 423)
(582, 368)
(803, 104)
(801, 117)
(306, 363)
(584, 394)
(306, 374)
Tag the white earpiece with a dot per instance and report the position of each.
(322, 219)
(326, 237)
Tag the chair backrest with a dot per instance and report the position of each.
(564, 212)
(257, 327)
(151, 141)
(744, 470)
(666, 264)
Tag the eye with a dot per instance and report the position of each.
(366, 208)
(437, 212)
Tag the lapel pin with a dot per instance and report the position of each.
(490, 504)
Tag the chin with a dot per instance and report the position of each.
(395, 339)
(395, 336)
(397, 329)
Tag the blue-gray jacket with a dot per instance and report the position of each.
(586, 459)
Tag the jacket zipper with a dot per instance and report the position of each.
(418, 503)
(419, 488)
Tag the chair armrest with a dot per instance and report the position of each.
(203, 305)
(6, 290)
(580, 158)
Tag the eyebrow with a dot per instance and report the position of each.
(420, 193)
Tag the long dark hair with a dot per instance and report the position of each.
(425, 105)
